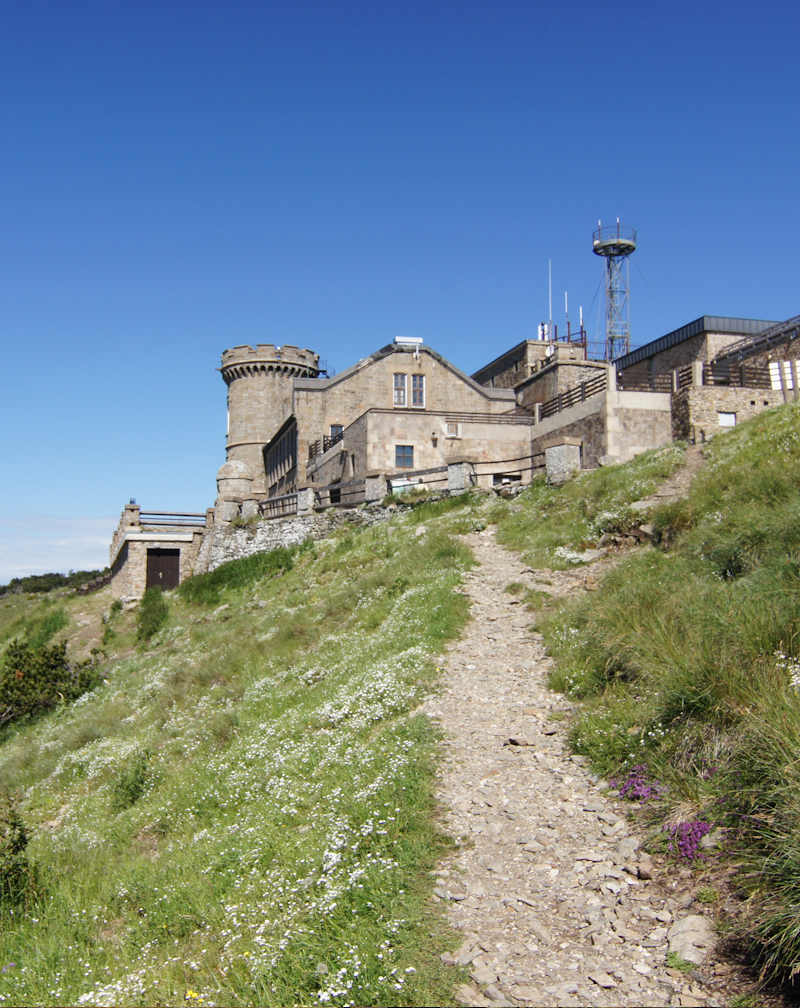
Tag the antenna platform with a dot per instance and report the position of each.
(615, 243)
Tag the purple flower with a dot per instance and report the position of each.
(637, 786)
(685, 838)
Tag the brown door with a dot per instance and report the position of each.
(163, 566)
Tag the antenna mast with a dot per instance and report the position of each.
(615, 244)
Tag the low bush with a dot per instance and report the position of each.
(35, 679)
(152, 614)
(134, 780)
(17, 875)
(206, 589)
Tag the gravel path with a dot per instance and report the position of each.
(556, 903)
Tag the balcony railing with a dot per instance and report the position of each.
(320, 446)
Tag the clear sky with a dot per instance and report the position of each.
(181, 178)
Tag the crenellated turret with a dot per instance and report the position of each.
(259, 381)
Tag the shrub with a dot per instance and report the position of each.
(35, 679)
(152, 614)
(17, 876)
(134, 780)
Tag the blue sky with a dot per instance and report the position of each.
(181, 178)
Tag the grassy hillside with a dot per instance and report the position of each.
(688, 664)
(241, 811)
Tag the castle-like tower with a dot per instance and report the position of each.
(259, 381)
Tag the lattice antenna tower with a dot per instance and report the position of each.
(615, 243)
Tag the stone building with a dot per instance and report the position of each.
(155, 549)
(299, 439)
(719, 371)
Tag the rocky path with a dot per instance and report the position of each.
(557, 904)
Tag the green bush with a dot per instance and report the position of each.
(152, 614)
(17, 875)
(35, 679)
(134, 780)
(206, 589)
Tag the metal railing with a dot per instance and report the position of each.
(195, 519)
(572, 396)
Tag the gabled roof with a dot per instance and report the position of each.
(314, 384)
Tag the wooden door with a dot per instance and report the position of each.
(163, 568)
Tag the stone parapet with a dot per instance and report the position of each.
(245, 361)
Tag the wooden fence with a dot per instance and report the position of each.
(278, 507)
(572, 396)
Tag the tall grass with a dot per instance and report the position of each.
(688, 661)
(547, 525)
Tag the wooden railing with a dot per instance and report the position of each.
(684, 376)
(574, 395)
(651, 383)
(737, 375)
(511, 468)
(278, 507)
(321, 445)
(425, 478)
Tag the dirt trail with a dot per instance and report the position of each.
(547, 882)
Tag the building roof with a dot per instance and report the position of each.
(325, 383)
(706, 323)
(778, 333)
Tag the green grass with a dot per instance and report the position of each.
(548, 525)
(245, 810)
(675, 962)
(688, 662)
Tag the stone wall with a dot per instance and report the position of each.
(129, 579)
(368, 445)
(369, 385)
(702, 347)
(517, 364)
(230, 543)
(584, 421)
(557, 377)
(637, 422)
(695, 409)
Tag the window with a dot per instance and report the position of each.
(400, 390)
(453, 429)
(404, 456)
(417, 390)
(726, 419)
(336, 430)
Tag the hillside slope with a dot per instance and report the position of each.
(242, 812)
(687, 661)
